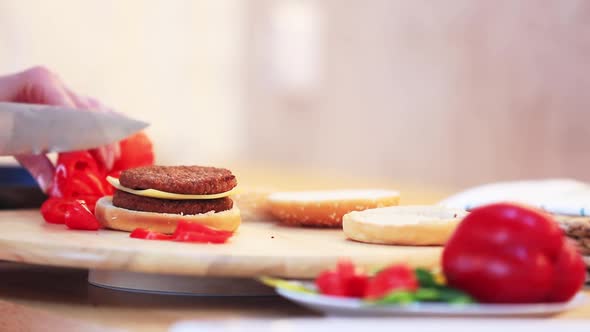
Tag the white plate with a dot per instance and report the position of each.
(339, 306)
(326, 324)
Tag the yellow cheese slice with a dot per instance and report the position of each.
(165, 195)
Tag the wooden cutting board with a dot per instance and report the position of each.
(258, 248)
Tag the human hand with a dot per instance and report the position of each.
(38, 85)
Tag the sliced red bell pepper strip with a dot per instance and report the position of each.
(79, 176)
(53, 210)
(136, 151)
(185, 232)
(201, 237)
(78, 173)
(142, 233)
(193, 227)
(195, 232)
(90, 200)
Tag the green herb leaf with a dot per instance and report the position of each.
(426, 278)
(451, 295)
(427, 295)
(397, 297)
(432, 294)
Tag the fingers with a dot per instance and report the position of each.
(93, 103)
(40, 168)
(79, 102)
(38, 85)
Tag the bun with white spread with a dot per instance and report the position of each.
(403, 225)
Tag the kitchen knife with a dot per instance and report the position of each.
(35, 129)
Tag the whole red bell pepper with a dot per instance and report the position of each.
(508, 253)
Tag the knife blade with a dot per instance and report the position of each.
(36, 129)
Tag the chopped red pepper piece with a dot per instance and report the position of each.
(330, 283)
(79, 176)
(201, 237)
(78, 216)
(344, 281)
(394, 278)
(195, 232)
(142, 233)
(90, 200)
(136, 151)
(53, 210)
(193, 227)
(186, 232)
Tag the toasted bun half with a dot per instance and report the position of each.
(326, 208)
(403, 225)
(118, 218)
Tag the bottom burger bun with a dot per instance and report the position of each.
(118, 218)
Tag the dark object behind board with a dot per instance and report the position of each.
(18, 190)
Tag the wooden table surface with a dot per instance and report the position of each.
(38, 298)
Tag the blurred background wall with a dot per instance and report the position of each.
(452, 93)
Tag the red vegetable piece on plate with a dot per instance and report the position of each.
(393, 278)
(142, 233)
(53, 210)
(509, 253)
(330, 283)
(344, 281)
(355, 283)
(78, 216)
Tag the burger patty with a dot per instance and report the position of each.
(195, 180)
(129, 201)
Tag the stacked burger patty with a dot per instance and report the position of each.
(186, 180)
